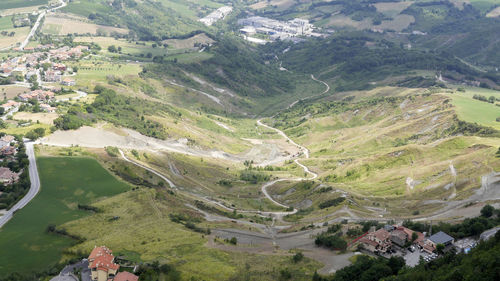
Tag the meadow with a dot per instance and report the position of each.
(144, 232)
(66, 182)
(12, 4)
(475, 111)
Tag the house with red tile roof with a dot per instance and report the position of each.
(7, 176)
(377, 241)
(126, 276)
(102, 264)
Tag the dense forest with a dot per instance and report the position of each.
(356, 60)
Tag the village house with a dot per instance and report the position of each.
(8, 151)
(68, 82)
(402, 235)
(59, 66)
(40, 95)
(429, 245)
(52, 76)
(377, 241)
(47, 108)
(9, 105)
(7, 176)
(102, 264)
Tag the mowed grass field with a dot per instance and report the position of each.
(11, 4)
(476, 111)
(66, 182)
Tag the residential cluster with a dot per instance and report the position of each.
(275, 29)
(7, 152)
(389, 239)
(43, 63)
(40, 68)
(103, 267)
(216, 15)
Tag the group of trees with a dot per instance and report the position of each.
(490, 217)
(331, 238)
(15, 191)
(491, 99)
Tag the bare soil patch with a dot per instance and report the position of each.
(42, 117)
(12, 91)
(494, 13)
(67, 24)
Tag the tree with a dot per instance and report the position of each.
(487, 211)
(112, 49)
(414, 236)
(298, 257)
(440, 248)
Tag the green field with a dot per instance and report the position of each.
(10, 4)
(6, 23)
(65, 183)
(475, 111)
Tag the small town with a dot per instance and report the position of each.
(43, 72)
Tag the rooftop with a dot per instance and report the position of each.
(441, 238)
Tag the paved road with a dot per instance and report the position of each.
(10, 113)
(34, 189)
(37, 24)
(489, 233)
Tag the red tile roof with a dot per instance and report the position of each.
(382, 234)
(102, 259)
(126, 276)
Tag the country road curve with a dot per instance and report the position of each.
(34, 189)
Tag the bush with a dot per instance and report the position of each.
(233, 241)
(331, 202)
(487, 211)
(112, 151)
(298, 257)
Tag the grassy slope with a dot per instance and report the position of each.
(65, 183)
(372, 150)
(10, 4)
(472, 110)
(144, 232)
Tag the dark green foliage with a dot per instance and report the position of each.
(188, 222)
(367, 269)
(35, 133)
(487, 211)
(470, 129)
(354, 64)
(331, 202)
(297, 257)
(253, 176)
(14, 192)
(88, 208)
(233, 240)
(469, 227)
(129, 112)
(155, 271)
(331, 241)
(74, 119)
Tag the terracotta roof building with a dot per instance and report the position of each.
(126, 276)
(377, 241)
(102, 265)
